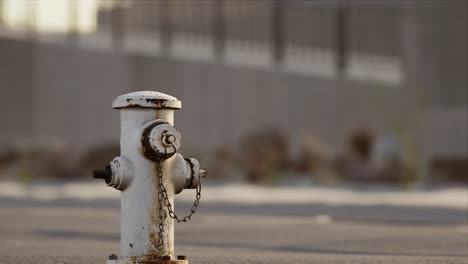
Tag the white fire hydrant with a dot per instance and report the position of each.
(149, 172)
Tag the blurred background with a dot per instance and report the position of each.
(362, 90)
(307, 102)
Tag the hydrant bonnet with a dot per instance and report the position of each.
(146, 99)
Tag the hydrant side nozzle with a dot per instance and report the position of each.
(122, 173)
(117, 174)
(194, 173)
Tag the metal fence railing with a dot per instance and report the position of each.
(321, 37)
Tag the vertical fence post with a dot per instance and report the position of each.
(341, 32)
(277, 27)
(117, 20)
(165, 26)
(219, 30)
(1, 13)
(31, 19)
(73, 29)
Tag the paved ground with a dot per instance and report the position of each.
(87, 232)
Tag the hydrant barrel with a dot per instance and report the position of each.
(139, 206)
(149, 172)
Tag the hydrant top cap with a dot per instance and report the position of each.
(146, 99)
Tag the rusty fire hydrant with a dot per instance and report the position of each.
(149, 172)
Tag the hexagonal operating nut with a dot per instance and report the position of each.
(168, 139)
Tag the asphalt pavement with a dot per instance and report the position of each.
(69, 231)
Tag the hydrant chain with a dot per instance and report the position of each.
(162, 195)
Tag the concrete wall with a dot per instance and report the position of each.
(221, 103)
(73, 92)
(70, 91)
(16, 87)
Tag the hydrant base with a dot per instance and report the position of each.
(159, 261)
